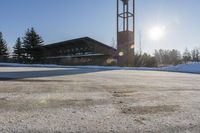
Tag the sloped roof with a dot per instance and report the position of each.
(86, 39)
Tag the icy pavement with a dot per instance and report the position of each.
(85, 99)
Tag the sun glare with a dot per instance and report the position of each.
(157, 32)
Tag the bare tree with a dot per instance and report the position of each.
(195, 54)
(186, 56)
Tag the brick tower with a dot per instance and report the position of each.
(125, 32)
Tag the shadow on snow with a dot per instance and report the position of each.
(4, 76)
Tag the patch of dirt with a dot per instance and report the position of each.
(142, 110)
(140, 120)
(124, 93)
(54, 103)
(180, 90)
(29, 90)
(3, 99)
(48, 103)
(113, 87)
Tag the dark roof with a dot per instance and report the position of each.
(78, 40)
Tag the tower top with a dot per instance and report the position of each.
(125, 15)
(125, 2)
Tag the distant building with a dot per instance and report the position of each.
(81, 51)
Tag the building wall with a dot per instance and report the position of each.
(75, 53)
(91, 60)
(125, 48)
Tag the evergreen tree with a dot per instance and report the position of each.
(3, 49)
(32, 45)
(18, 51)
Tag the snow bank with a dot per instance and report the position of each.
(187, 68)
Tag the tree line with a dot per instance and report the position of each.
(29, 50)
(167, 57)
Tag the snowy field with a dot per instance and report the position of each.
(99, 99)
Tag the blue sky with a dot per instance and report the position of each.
(59, 20)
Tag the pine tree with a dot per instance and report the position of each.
(3, 49)
(32, 45)
(18, 51)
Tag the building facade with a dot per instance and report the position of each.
(81, 51)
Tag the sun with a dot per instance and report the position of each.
(157, 32)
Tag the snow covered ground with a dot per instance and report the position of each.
(187, 68)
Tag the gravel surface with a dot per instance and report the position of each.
(59, 100)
